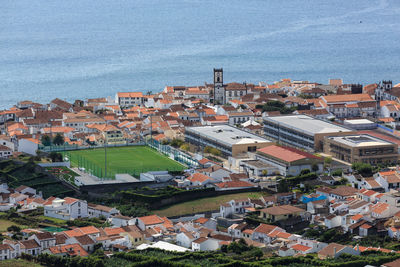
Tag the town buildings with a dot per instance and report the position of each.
(266, 145)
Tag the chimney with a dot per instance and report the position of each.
(358, 248)
(334, 252)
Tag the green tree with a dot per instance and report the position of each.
(46, 140)
(215, 152)
(14, 228)
(364, 169)
(283, 186)
(207, 149)
(56, 157)
(58, 140)
(176, 142)
(337, 172)
(314, 167)
(184, 147)
(327, 162)
(305, 171)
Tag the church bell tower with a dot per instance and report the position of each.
(219, 90)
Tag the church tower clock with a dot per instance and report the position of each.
(219, 90)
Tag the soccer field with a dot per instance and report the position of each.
(132, 160)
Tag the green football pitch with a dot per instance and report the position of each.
(132, 160)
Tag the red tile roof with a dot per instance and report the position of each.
(113, 231)
(199, 177)
(356, 217)
(299, 247)
(130, 94)
(151, 220)
(265, 228)
(72, 250)
(287, 154)
(347, 98)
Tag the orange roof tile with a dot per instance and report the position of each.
(130, 94)
(347, 98)
(199, 177)
(151, 220)
(265, 228)
(201, 220)
(72, 250)
(299, 247)
(88, 230)
(113, 231)
(356, 217)
(36, 141)
(287, 154)
(70, 200)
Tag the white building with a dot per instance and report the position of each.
(205, 244)
(5, 152)
(119, 220)
(234, 206)
(129, 99)
(7, 252)
(67, 209)
(45, 240)
(98, 211)
(28, 145)
(185, 239)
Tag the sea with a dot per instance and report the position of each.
(78, 49)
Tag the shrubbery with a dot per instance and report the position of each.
(235, 254)
(157, 195)
(364, 169)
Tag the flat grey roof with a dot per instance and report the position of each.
(360, 140)
(359, 121)
(307, 124)
(227, 134)
(257, 163)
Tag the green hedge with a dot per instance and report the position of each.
(129, 196)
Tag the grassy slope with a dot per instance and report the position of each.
(4, 224)
(23, 175)
(129, 158)
(18, 263)
(203, 204)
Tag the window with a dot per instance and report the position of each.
(251, 148)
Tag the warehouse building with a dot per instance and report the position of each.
(230, 140)
(302, 131)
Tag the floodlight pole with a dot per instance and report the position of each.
(151, 129)
(105, 152)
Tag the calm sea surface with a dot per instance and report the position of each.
(75, 49)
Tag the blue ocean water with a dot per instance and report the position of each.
(77, 49)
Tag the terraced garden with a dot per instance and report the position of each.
(63, 173)
(15, 174)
